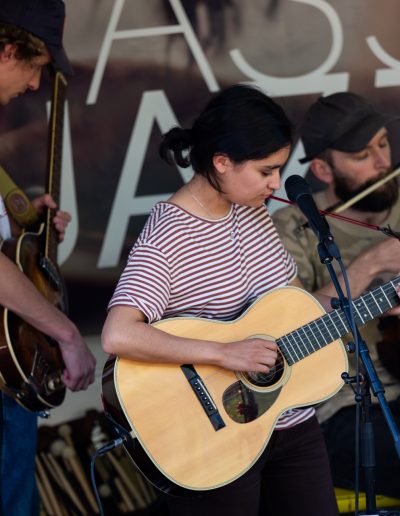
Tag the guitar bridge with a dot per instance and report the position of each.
(203, 396)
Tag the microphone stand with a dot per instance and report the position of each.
(328, 250)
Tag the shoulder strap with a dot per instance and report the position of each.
(16, 201)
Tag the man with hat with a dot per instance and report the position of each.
(30, 38)
(346, 143)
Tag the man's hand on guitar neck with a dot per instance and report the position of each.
(61, 218)
(396, 309)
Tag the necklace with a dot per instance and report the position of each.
(195, 198)
(212, 216)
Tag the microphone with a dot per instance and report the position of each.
(299, 192)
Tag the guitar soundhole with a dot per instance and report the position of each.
(266, 379)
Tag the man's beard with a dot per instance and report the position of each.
(379, 200)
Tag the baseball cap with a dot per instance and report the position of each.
(342, 121)
(43, 19)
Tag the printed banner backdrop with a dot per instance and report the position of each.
(142, 66)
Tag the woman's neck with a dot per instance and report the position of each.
(201, 199)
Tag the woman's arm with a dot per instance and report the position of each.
(127, 334)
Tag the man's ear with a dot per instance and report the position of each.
(322, 170)
(221, 162)
(7, 53)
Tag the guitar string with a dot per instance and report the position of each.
(369, 305)
(370, 302)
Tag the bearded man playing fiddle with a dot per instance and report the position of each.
(346, 143)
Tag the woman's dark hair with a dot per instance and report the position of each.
(241, 122)
(27, 46)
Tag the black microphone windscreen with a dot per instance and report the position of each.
(299, 192)
(295, 186)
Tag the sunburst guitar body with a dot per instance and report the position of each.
(31, 364)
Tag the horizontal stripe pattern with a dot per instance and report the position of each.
(293, 417)
(183, 265)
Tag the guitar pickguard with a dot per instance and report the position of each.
(43, 378)
(255, 392)
(244, 405)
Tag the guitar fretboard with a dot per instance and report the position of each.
(319, 333)
(55, 137)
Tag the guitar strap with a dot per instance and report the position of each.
(16, 201)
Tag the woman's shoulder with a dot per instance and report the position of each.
(258, 213)
(169, 211)
(165, 219)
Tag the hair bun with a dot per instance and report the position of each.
(175, 146)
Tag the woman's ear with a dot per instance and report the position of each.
(221, 162)
(321, 170)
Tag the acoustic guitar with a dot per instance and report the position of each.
(31, 364)
(191, 428)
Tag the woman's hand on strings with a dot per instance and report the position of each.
(252, 354)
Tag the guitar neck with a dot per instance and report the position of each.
(54, 160)
(322, 331)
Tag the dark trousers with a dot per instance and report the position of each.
(292, 478)
(339, 431)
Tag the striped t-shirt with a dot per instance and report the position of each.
(183, 265)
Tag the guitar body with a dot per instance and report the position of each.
(174, 442)
(32, 364)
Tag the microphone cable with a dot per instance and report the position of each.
(101, 451)
(387, 230)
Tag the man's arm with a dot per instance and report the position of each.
(380, 258)
(383, 257)
(19, 294)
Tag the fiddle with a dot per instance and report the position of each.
(333, 211)
(366, 191)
